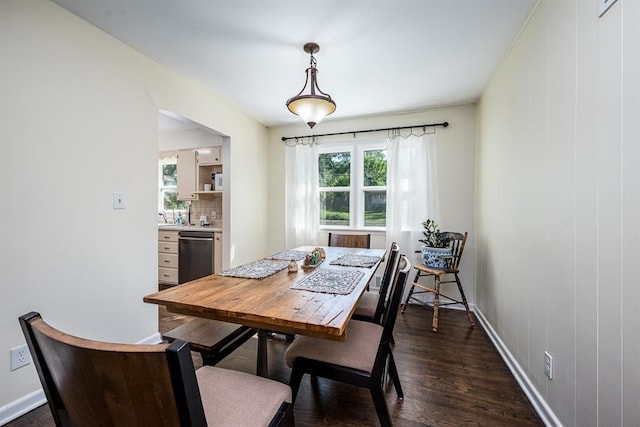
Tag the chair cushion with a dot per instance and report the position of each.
(237, 399)
(205, 334)
(357, 351)
(367, 305)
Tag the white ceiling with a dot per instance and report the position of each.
(376, 56)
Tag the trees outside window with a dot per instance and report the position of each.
(375, 188)
(353, 185)
(335, 188)
(168, 184)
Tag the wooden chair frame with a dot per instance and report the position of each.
(213, 339)
(384, 358)
(86, 382)
(388, 275)
(350, 240)
(458, 241)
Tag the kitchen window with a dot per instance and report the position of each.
(353, 185)
(168, 183)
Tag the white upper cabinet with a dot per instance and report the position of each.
(209, 156)
(197, 172)
(187, 175)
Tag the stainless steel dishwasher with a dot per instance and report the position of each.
(195, 255)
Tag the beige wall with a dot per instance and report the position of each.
(455, 173)
(79, 121)
(558, 167)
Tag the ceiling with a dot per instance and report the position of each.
(376, 56)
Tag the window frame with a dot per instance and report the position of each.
(173, 160)
(356, 189)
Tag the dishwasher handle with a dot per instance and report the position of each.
(195, 235)
(210, 239)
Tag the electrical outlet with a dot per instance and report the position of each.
(118, 201)
(548, 365)
(214, 215)
(20, 357)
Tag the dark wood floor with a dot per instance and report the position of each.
(452, 378)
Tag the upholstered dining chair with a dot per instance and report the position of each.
(213, 339)
(94, 383)
(350, 240)
(457, 243)
(361, 359)
(372, 304)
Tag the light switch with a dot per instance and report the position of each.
(118, 200)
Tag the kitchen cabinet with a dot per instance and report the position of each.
(186, 165)
(209, 166)
(168, 257)
(217, 253)
(209, 156)
(197, 168)
(206, 175)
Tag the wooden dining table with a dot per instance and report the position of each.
(270, 304)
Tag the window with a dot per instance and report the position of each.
(168, 182)
(353, 185)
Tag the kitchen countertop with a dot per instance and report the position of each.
(179, 227)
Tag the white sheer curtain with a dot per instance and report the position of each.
(301, 198)
(411, 191)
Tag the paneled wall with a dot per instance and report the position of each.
(557, 187)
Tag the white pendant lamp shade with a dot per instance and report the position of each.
(311, 110)
(315, 105)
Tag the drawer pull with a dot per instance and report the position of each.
(167, 248)
(166, 275)
(166, 260)
(167, 237)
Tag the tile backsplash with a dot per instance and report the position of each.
(207, 207)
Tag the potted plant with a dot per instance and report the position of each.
(436, 251)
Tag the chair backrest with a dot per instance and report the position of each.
(387, 278)
(350, 240)
(457, 242)
(104, 384)
(391, 313)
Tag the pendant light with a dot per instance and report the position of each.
(315, 105)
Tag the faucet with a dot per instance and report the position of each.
(163, 214)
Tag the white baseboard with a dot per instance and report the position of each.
(21, 406)
(537, 401)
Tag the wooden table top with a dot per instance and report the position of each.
(269, 303)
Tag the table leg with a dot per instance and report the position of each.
(262, 368)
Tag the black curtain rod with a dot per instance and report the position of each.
(443, 124)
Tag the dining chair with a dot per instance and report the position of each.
(457, 243)
(361, 359)
(94, 383)
(213, 339)
(372, 304)
(350, 240)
